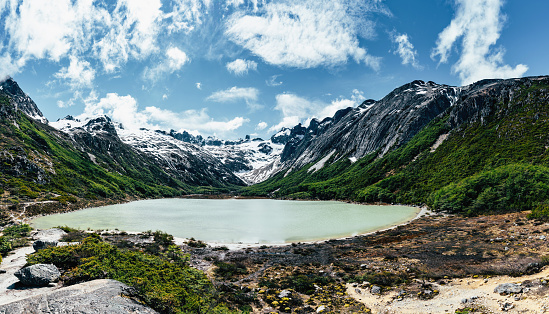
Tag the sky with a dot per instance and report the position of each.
(231, 68)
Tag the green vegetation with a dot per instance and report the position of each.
(164, 282)
(40, 163)
(14, 237)
(497, 164)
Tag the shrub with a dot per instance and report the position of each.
(161, 283)
(540, 212)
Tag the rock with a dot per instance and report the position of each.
(322, 309)
(507, 306)
(38, 275)
(508, 288)
(97, 296)
(375, 289)
(542, 237)
(284, 294)
(54, 234)
(40, 244)
(532, 268)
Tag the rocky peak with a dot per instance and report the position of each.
(20, 101)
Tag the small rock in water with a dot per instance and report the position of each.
(38, 275)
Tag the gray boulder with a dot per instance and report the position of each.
(38, 275)
(375, 289)
(41, 244)
(92, 297)
(508, 288)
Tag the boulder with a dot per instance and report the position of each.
(508, 288)
(41, 244)
(97, 296)
(38, 275)
(375, 289)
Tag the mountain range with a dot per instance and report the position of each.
(453, 148)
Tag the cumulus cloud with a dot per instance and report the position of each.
(124, 109)
(234, 94)
(478, 23)
(241, 66)
(78, 74)
(261, 126)
(173, 61)
(303, 34)
(296, 109)
(194, 120)
(110, 34)
(405, 50)
(198, 85)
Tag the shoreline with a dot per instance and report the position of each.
(420, 212)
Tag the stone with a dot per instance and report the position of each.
(508, 288)
(38, 275)
(322, 309)
(96, 296)
(375, 289)
(40, 244)
(284, 294)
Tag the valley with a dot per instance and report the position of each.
(476, 155)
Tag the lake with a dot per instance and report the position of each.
(236, 220)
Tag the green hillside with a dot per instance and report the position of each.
(499, 163)
(38, 163)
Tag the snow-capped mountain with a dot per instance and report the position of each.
(190, 163)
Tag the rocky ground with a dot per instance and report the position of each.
(435, 264)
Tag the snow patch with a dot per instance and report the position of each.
(353, 159)
(320, 164)
(439, 141)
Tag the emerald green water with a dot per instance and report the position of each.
(233, 221)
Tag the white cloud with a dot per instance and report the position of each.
(241, 66)
(287, 122)
(124, 109)
(303, 34)
(199, 85)
(164, 97)
(234, 94)
(478, 23)
(196, 120)
(405, 50)
(273, 82)
(261, 126)
(79, 73)
(296, 109)
(174, 60)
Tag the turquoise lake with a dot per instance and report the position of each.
(237, 220)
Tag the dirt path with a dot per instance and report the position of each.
(9, 290)
(477, 293)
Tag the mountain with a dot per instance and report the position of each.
(252, 160)
(186, 162)
(479, 147)
(39, 162)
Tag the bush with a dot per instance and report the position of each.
(540, 212)
(509, 188)
(163, 284)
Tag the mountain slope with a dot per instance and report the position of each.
(494, 128)
(41, 163)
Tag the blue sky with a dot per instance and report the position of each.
(236, 67)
